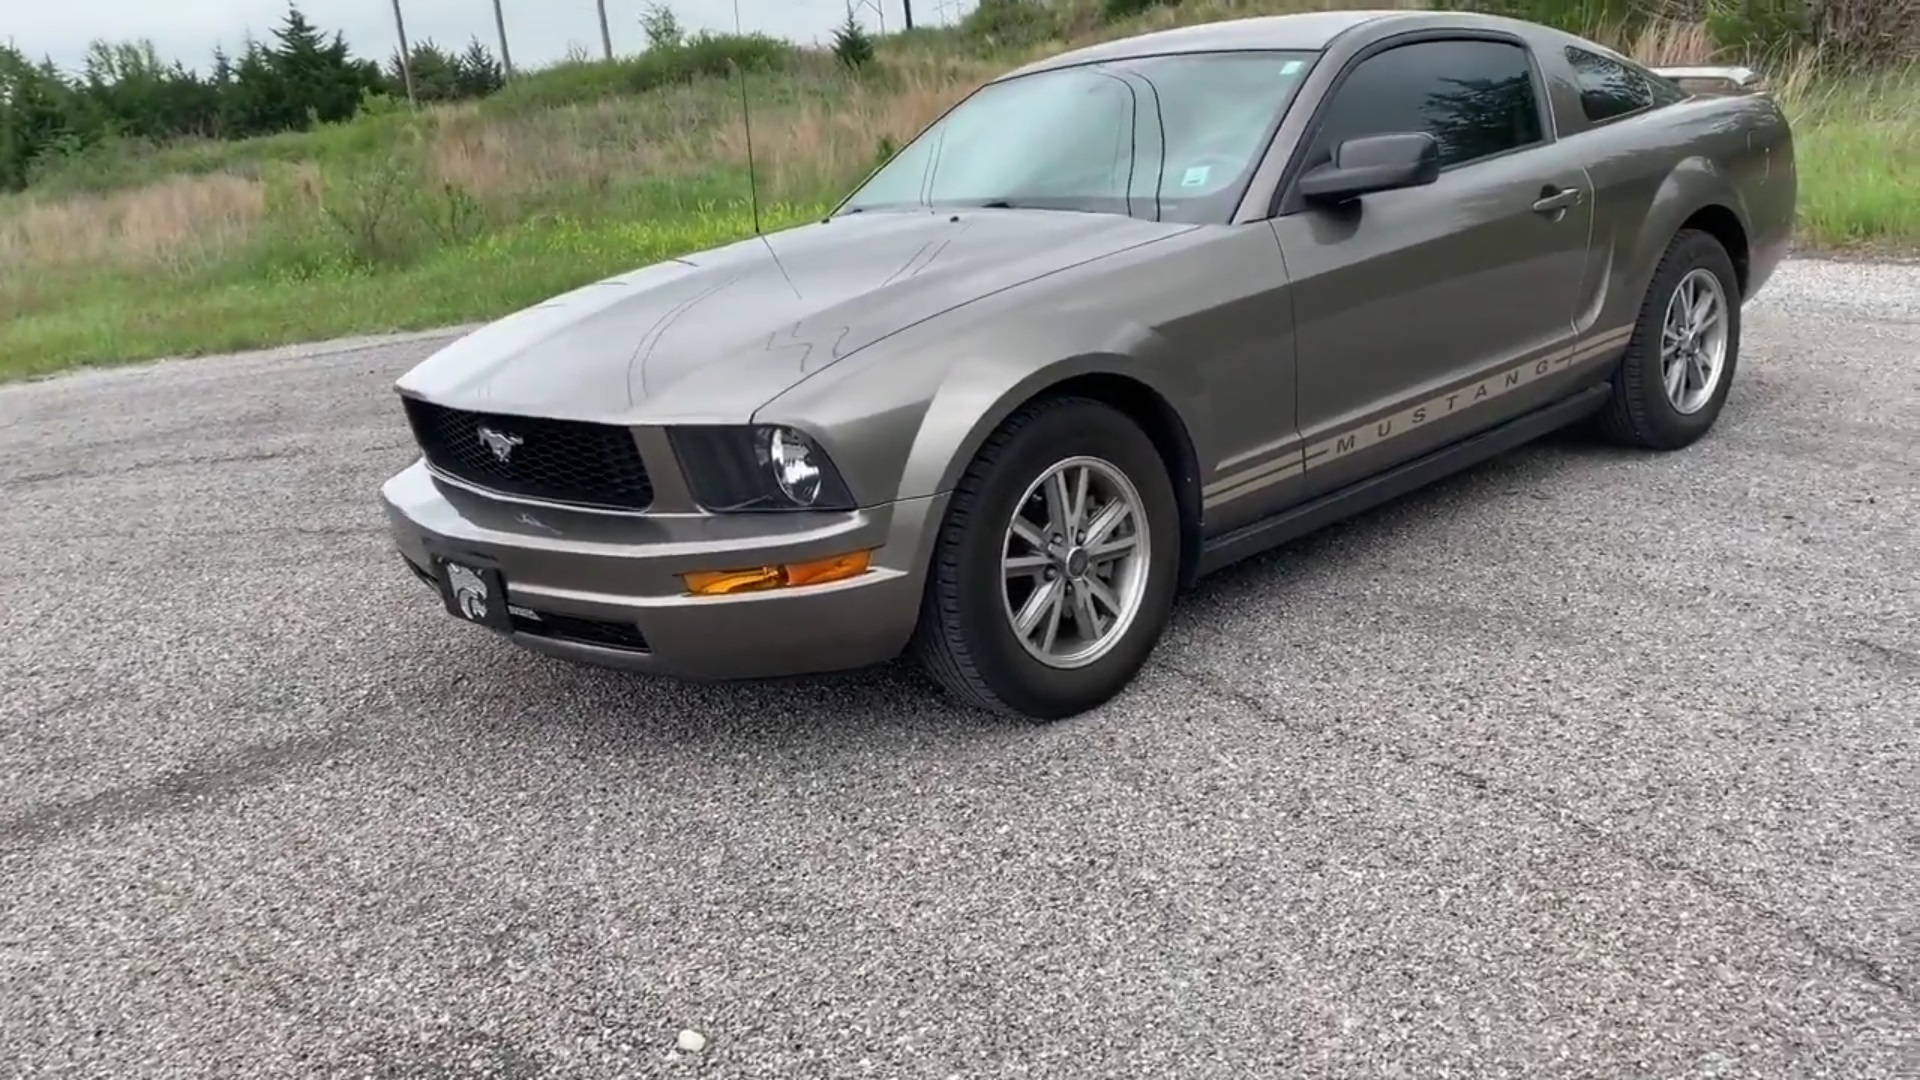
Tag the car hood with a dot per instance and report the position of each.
(713, 336)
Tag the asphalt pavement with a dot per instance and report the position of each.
(1584, 763)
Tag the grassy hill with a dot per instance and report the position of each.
(400, 220)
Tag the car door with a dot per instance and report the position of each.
(1424, 314)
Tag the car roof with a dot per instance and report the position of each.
(1307, 31)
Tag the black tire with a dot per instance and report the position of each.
(964, 640)
(1639, 413)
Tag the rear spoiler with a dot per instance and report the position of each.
(1716, 81)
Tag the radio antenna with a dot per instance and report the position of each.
(746, 120)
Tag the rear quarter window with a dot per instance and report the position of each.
(1610, 90)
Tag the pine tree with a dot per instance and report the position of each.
(479, 74)
(319, 79)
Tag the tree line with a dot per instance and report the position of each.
(300, 77)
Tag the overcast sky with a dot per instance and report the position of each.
(538, 31)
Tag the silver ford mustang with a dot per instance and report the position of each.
(1115, 320)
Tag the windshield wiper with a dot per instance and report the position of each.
(1061, 205)
(998, 204)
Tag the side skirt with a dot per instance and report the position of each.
(1298, 521)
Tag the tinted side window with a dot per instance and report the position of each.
(1608, 88)
(1476, 97)
(1664, 92)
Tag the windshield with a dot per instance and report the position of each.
(1170, 138)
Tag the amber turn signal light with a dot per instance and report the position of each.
(817, 572)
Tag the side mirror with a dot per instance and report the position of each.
(1373, 163)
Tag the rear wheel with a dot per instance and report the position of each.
(1055, 568)
(1679, 364)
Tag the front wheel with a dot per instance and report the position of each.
(1679, 364)
(1054, 571)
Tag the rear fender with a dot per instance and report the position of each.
(1695, 183)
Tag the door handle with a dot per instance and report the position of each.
(1553, 200)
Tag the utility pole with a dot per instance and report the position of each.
(907, 6)
(606, 37)
(406, 54)
(506, 58)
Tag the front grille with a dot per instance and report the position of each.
(563, 461)
(608, 635)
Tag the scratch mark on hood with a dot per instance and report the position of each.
(651, 339)
(925, 257)
(830, 337)
(908, 265)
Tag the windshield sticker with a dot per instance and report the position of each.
(1291, 66)
(1195, 177)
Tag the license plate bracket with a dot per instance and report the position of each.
(474, 593)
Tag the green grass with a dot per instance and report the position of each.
(1858, 150)
(90, 318)
(397, 222)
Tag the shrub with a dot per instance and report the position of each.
(662, 27)
(703, 54)
(1010, 23)
(1115, 10)
(1863, 31)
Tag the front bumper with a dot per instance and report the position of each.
(605, 589)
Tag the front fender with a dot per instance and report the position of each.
(976, 400)
(904, 418)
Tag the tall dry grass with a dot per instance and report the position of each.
(176, 218)
(568, 156)
(814, 145)
(809, 142)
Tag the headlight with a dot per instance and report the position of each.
(758, 468)
(795, 463)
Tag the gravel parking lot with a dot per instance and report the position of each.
(1583, 763)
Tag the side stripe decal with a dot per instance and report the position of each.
(1362, 436)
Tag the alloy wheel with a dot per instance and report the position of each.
(1074, 562)
(1693, 341)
